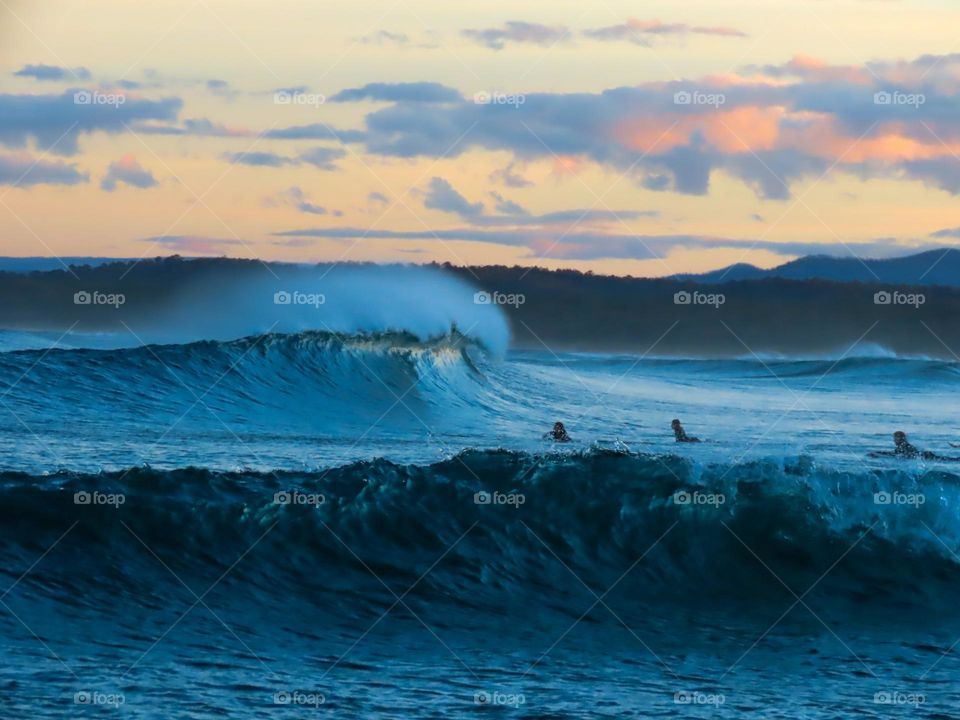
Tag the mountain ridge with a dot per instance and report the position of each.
(930, 267)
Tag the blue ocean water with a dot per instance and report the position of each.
(371, 525)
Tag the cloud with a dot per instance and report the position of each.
(645, 247)
(379, 198)
(292, 90)
(618, 246)
(655, 182)
(316, 131)
(573, 218)
(642, 32)
(507, 207)
(221, 88)
(812, 69)
(53, 73)
(518, 32)
(193, 244)
(677, 135)
(946, 233)
(200, 127)
(425, 92)
(203, 127)
(942, 173)
(385, 37)
(319, 157)
(128, 171)
(21, 170)
(770, 172)
(258, 159)
(769, 128)
(297, 198)
(442, 196)
(508, 177)
(322, 157)
(55, 122)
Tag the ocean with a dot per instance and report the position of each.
(372, 525)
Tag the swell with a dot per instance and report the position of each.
(865, 368)
(852, 368)
(601, 518)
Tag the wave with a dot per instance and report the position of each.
(498, 526)
(850, 369)
(316, 382)
(862, 350)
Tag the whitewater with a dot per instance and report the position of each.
(368, 522)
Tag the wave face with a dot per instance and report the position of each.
(313, 384)
(702, 532)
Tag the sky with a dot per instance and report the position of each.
(617, 137)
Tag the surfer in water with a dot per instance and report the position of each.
(558, 434)
(680, 434)
(905, 450)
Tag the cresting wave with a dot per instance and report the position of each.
(326, 380)
(499, 525)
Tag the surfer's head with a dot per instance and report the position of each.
(899, 437)
(559, 429)
(675, 424)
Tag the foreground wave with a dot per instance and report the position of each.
(498, 526)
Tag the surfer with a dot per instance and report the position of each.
(680, 434)
(905, 450)
(558, 434)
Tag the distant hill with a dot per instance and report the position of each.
(933, 267)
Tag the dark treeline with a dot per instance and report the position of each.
(561, 309)
(573, 310)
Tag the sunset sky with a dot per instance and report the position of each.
(643, 138)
